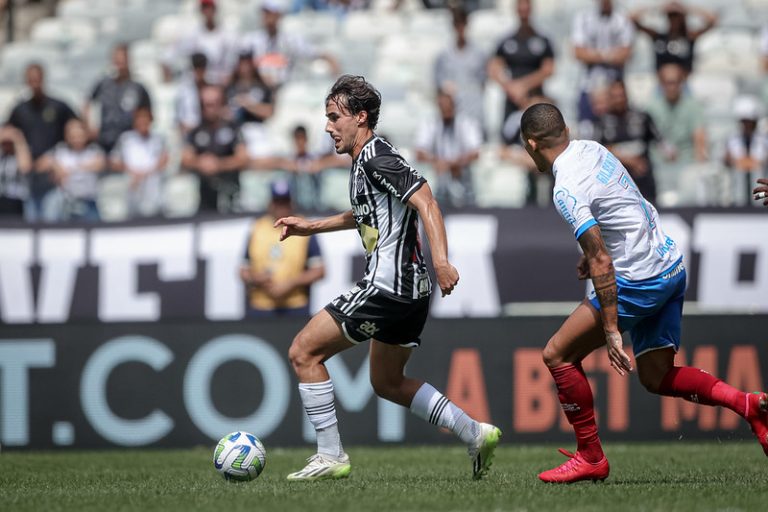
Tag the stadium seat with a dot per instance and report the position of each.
(16, 57)
(499, 185)
(181, 195)
(335, 189)
(314, 26)
(64, 32)
(9, 96)
(112, 198)
(430, 21)
(254, 189)
(728, 52)
(368, 25)
(641, 87)
(487, 27)
(715, 91)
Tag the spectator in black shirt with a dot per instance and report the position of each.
(15, 164)
(251, 103)
(628, 134)
(215, 151)
(119, 96)
(523, 62)
(41, 119)
(676, 44)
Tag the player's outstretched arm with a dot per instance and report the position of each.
(604, 278)
(297, 226)
(424, 202)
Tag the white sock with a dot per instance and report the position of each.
(319, 405)
(431, 405)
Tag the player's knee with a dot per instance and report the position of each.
(298, 355)
(550, 356)
(384, 386)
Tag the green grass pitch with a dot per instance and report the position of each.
(680, 476)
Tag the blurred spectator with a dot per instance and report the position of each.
(761, 191)
(216, 42)
(628, 134)
(523, 62)
(462, 68)
(598, 102)
(764, 46)
(679, 118)
(42, 120)
(675, 45)
(450, 143)
(188, 94)
(279, 274)
(215, 151)
(602, 40)
(15, 164)
(251, 103)
(275, 53)
(746, 152)
(141, 154)
(76, 165)
(118, 96)
(539, 191)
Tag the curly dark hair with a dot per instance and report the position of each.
(354, 94)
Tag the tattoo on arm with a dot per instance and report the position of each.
(605, 288)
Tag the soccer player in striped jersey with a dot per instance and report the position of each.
(639, 282)
(389, 306)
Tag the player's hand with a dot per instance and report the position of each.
(293, 226)
(447, 278)
(582, 268)
(619, 359)
(761, 192)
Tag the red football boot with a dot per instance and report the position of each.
(757, 416)
(576, 469)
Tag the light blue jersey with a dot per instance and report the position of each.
(592, 188)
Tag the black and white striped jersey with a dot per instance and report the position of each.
(380, 184)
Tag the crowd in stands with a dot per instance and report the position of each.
(227, 82)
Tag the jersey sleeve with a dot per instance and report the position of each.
(574, 208)
(391, 174)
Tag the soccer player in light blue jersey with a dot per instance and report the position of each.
(639, 279)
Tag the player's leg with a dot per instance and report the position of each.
(320, 339)
(580, 334)
(658, 374)
(389, 382)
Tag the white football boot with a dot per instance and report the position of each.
(323, 467)
(482, 448)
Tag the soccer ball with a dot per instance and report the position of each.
(239, 457)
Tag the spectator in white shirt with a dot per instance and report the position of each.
(275, 52)
(141, 153)
(746, 152)
(188, 94)
(216, 42)
(602, 40)
(461, 67)
(76, 164)
(450, 143)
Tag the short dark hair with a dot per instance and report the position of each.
(459, 16)
(355, 94)
(300, 130)
(542, 121)
(199, 60)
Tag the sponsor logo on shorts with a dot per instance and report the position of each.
(368, 328)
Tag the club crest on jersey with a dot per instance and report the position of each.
(359, 183)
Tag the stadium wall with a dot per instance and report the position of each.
(187, 270)
(184, 383)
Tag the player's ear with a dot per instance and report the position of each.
(532, 144)
(362, 118)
